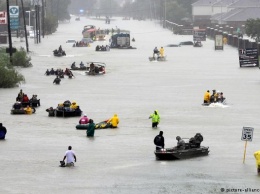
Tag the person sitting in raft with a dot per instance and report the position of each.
(25, 98)
(92, 69)
(213, 97)
(180, 143)
(81, 65)
(161, 52)
(60, 106)
(56, 80)
(155, 52)
(91, 128)
(114, 121)
(17, 105)
(74, 105)
(60, 49)
(221, 98)
(84, 120)
(20, 96)
(73, 65)
(28, 110)
(97, 48)
(207, 97)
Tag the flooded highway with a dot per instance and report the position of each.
(122, 160)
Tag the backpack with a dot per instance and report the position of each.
(157, 140)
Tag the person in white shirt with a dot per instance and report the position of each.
(71, 157)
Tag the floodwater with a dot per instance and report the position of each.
(121, 160)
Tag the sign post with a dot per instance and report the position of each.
(14, 17)
(219, 42)
(248, 57)
(247, 135)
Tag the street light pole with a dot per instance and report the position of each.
(25, 30)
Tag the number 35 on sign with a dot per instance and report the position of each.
(247, 134)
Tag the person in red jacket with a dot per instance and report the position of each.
(25, 98)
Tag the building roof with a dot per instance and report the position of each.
(245, 3)
(238, 15)
(205, 3)
(224, 3)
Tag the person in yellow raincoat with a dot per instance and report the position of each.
(155, 119)
(225, 40)
(161, 52)
(207, 97)
(257, 158)
(74, 105)
(28, 110)
(114, 121)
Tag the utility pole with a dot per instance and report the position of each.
(43, 18)
(9, 32)
(25, 31)
(17, 31)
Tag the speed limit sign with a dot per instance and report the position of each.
(247, 134)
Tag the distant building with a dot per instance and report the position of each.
(224, 12)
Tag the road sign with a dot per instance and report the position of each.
(14, 11)
(247, 134)
(14, 23)
(248, 57)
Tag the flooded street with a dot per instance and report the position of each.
(122, 160)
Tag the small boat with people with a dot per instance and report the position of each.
(157, 58)
(59, 52)
(184, 149)
(216, 99)
(65, 109)
(102, 48)
(100, 125)
(81, 67)
(95, 68)
(17, 108)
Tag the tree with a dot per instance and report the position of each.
(252, 28)
(9, 77)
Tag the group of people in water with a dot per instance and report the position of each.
(216, 96)
(194, 142)
(59, 74)
(102, 48)
(81, 44)
(159, 53)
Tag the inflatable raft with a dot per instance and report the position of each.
(100, 125)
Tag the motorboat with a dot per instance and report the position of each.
(175, 154)
(95, 68)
